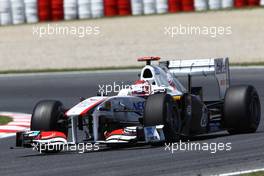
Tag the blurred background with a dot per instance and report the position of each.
(113, 33)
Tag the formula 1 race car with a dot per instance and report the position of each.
(157, 108)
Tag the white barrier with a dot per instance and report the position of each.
(70, 9)
(5, 12)
(162, 6)
(31, 11)
(97, 8)
(149, 6)
(227, 4)
(201, 5)
(137, 7)
(6, 18)
(18, 11)
(84, 9)
(214, 4)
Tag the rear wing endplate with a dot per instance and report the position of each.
(218, 67)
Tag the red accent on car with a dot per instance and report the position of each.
(51, 134)
(114, 132)
(139, 82)
(148, 58)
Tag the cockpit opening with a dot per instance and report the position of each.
(147, 74)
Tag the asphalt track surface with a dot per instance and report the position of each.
(20, 93)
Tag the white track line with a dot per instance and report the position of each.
(17, 123)
(22, 120)
(242, 172)
(11, 127)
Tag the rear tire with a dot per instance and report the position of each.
(160, 110)
(242, 110)
(46, 115)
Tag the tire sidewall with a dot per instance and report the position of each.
(238, 114)
(45, 116)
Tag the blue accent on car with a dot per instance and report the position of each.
(139, 106)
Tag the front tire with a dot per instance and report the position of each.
(242, 110)
(160, 110)
(46, 115)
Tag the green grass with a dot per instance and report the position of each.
(254, 174)
(5, 120)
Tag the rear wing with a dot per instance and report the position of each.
(217, 67)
